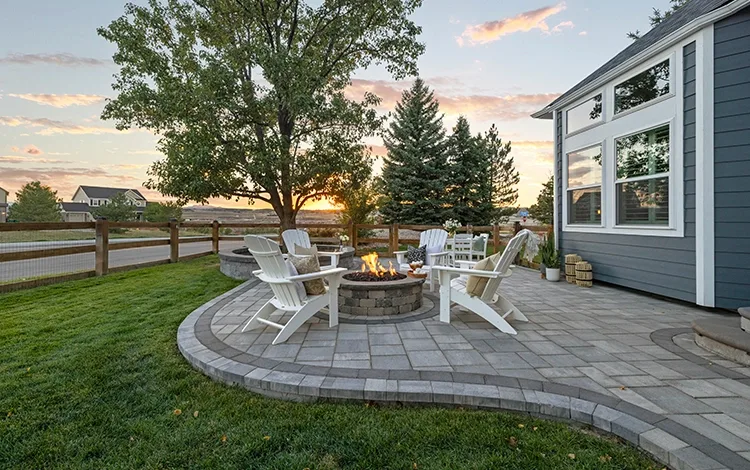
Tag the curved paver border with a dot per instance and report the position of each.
(666, 440)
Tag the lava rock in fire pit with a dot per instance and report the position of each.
(372, 277)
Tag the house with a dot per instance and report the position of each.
(652, 160)
(3, 205)
(95, 196)
(75, 212)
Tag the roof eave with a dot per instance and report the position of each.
(668, 41)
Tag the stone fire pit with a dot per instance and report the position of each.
(380, 298)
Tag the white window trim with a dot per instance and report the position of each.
(567, 189)
(660, 111)
(590, 126)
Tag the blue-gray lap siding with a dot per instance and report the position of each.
(732, 159)
(659, 265)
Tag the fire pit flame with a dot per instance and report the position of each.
(372, 264)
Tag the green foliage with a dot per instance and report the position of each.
(358, 204)
(657, 16)
(118, 209)
(503, 176)
(470, 188)
(91, 378)
(548, 254)
(35, 203)
(248, 96)
(414, 171)
(162, 211)
(544, 209)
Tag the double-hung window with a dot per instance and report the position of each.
(642, 186)
(585, 186)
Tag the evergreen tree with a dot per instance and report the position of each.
(658, 16)
(502, 175)
(544, 209)
(414, 171)
(35, 203)
(470, 189)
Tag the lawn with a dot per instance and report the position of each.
(90, 377)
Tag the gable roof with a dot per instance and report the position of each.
(6, 192)
(75, 207)
(689, 12)
(99, 192)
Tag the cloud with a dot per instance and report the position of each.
(131, 166)
(493, 30)
(29, 149)
(485, 107)
(145, 152)
(16, 159)
(60, 101)
(62, 179)
(565, 24)
(583, 33)
(63, 59)
(52, 127)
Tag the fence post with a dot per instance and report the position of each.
(516, 227)
(495, 238)
(174, 241)
(215, 236)
(394, 238)
(102, 246)
(351, 232)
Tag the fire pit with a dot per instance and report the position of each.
(377, 291)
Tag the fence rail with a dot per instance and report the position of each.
(213, 232)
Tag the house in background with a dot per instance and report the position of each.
(75, 212)
(3, 205)
(95, 196)
(652, 160)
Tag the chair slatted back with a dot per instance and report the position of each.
(295, 236)
(434, 239)
(503, 264)
(267, 254)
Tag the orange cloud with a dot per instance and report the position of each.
(52, 127)
(524, 22)
(60, 101)
(64, 180)
(29, 149)
(17, 159)
(484, 107)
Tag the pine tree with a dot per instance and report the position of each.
(36, 202)
(502, 175)
(414, 171)
(469, 191)
(658, 16)
(544, 209)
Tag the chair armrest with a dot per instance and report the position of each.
(318, 275)
(463, 263)
(400, 255)
(470, 272)
(434, 257)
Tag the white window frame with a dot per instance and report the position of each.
(579, 103)
(667, 174)
(655, 113)
(585, 186)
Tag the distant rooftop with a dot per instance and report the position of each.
(100, 192)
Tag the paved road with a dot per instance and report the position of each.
(14, 270)
(20, 246)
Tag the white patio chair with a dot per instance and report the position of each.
(294, 237)
(454, 290)
(479, 247)
(434, 240)
(463, 244)
(288, 295)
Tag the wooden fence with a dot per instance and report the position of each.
(102, 247)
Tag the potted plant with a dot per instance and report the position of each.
(553, 266)
(451, 226)
(546, 250)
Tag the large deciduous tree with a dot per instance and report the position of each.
(36, 202)
(414, 171)
(248, 95)
(502, 175)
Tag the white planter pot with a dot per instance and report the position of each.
(553, 274)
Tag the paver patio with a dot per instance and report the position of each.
(621, 361)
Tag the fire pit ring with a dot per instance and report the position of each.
(380, 298)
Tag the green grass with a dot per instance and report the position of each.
(90, 377)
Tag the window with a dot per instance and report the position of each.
(585, 114)
(643, 178)
(95, 202)
(644, 87)
(585, 186)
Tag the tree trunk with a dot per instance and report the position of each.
(287, 217)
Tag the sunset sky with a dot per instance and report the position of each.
(495, 61)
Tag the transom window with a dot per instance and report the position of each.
(585, 186)
(642, 88)
(643, 177)
(585, 114)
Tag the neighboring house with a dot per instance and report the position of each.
(652, 160)
(95, 196)
(3, 205)
(76, 212)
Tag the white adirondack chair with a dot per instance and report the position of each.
(478, 253)
(454, 290)
(434, 240)
(300, 237)
(286, 296)
(463, 245)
